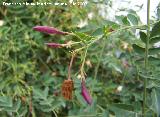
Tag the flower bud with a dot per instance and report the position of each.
(85, 93)
(49, 30)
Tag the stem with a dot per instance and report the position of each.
(46, 65)
(82, 66)
(70, 65)
(100, 107)
(55, 113)
(100, 57)
(146, 59)
(148, 34)
(110, 33)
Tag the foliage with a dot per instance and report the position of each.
(31, 74)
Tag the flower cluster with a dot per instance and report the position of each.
(68, 85)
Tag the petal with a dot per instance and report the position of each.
(49, 30)
(85, 93)
(54, 45)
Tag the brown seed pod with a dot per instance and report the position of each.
(67, 89)
(67, 86)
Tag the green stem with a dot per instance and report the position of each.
(146, 59)
(82, 66)
(118, 30)
(100, 57)
(55, 113)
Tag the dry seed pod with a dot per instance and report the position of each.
(67, 89)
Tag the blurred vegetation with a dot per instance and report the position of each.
(31, 74)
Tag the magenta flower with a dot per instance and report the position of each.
(49, 30)
(54, 45)
(85, 93)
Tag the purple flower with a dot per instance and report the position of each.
(54, 45)
(85, 93)
(49, 30)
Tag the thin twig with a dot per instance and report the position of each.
(100, 57)
(70, 65)
(82, 66)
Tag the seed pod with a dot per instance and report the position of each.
(67, 89)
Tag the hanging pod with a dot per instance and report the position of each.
(67, 89)
(68, 85)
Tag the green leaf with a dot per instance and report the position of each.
(57, 104)
(119, 18)
(156, 101)
(110, 24)
(46, 92)
(6, 101)
(115, 67)
(125, 21)
(105, 113)
(15, 107)
(155, 30)
(39, 94)
(153, 51)
(46, 108)
(133, 19)
(88, 28)
(122, 110)
(98, 32)
(138, 49)
(154, 60)
(143, 36)
(154, 39)
(46, 102)
(80, 98)
(22, 111)
(17, 104)
(123, 106)
(83, 37)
